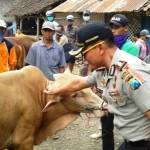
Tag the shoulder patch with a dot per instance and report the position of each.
(131, 76)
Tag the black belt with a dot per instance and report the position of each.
(140, 143)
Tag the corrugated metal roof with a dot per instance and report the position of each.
(27, 7)
(100, 6)
(146, 6)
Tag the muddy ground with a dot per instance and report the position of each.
(76, 137)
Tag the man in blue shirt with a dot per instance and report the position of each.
(47, 55)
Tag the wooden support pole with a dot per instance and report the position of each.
(21, 20)
(38, 27)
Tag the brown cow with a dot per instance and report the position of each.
(22, 122)
(22, 44)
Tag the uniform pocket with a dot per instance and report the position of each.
(117, 98)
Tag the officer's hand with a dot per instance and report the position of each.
(51, 91)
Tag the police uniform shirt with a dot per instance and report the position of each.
(130, 104)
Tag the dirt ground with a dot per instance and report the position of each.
(76, 137)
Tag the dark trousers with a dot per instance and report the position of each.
(107, 132)
(140, 145)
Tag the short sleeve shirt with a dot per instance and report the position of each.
(48, 60)
(131, 48)
(130, 106)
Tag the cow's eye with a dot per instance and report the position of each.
(74, 95)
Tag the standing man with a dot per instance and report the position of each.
(141, 43)
(59, 36)
(124, 80)
(86, 16)
(51, 17)
(119, 26)
(145, 36)
(70, 29)
(47, 55)
(8, 59)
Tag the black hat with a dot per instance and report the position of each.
(119, 20)
(90, 34)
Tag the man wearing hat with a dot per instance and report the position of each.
(123, 79)
(119, 26)
(145, 36)
(8, 59)
(70, 29)
(86, 16)
(50, 16)
(47, 55)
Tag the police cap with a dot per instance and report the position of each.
(90, 34)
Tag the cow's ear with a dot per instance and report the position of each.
(50, 103)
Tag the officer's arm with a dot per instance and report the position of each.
(74, 85)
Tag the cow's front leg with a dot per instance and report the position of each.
(26, 144)
(23, 136)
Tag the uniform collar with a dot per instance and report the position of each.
(116, 57)
(115, 60)
(112, 69)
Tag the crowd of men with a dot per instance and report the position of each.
(117, 66)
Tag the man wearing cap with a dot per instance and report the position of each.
(47, 55)
(119, 26)
(51, 17)
(141, 43)
(70, 29)
(86, 16)
(8, 59)
(145, 36)
(123, 79)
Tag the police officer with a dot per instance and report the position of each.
(119, 27)
(124, 80)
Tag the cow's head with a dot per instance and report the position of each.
(81, 101)
(62, 110)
